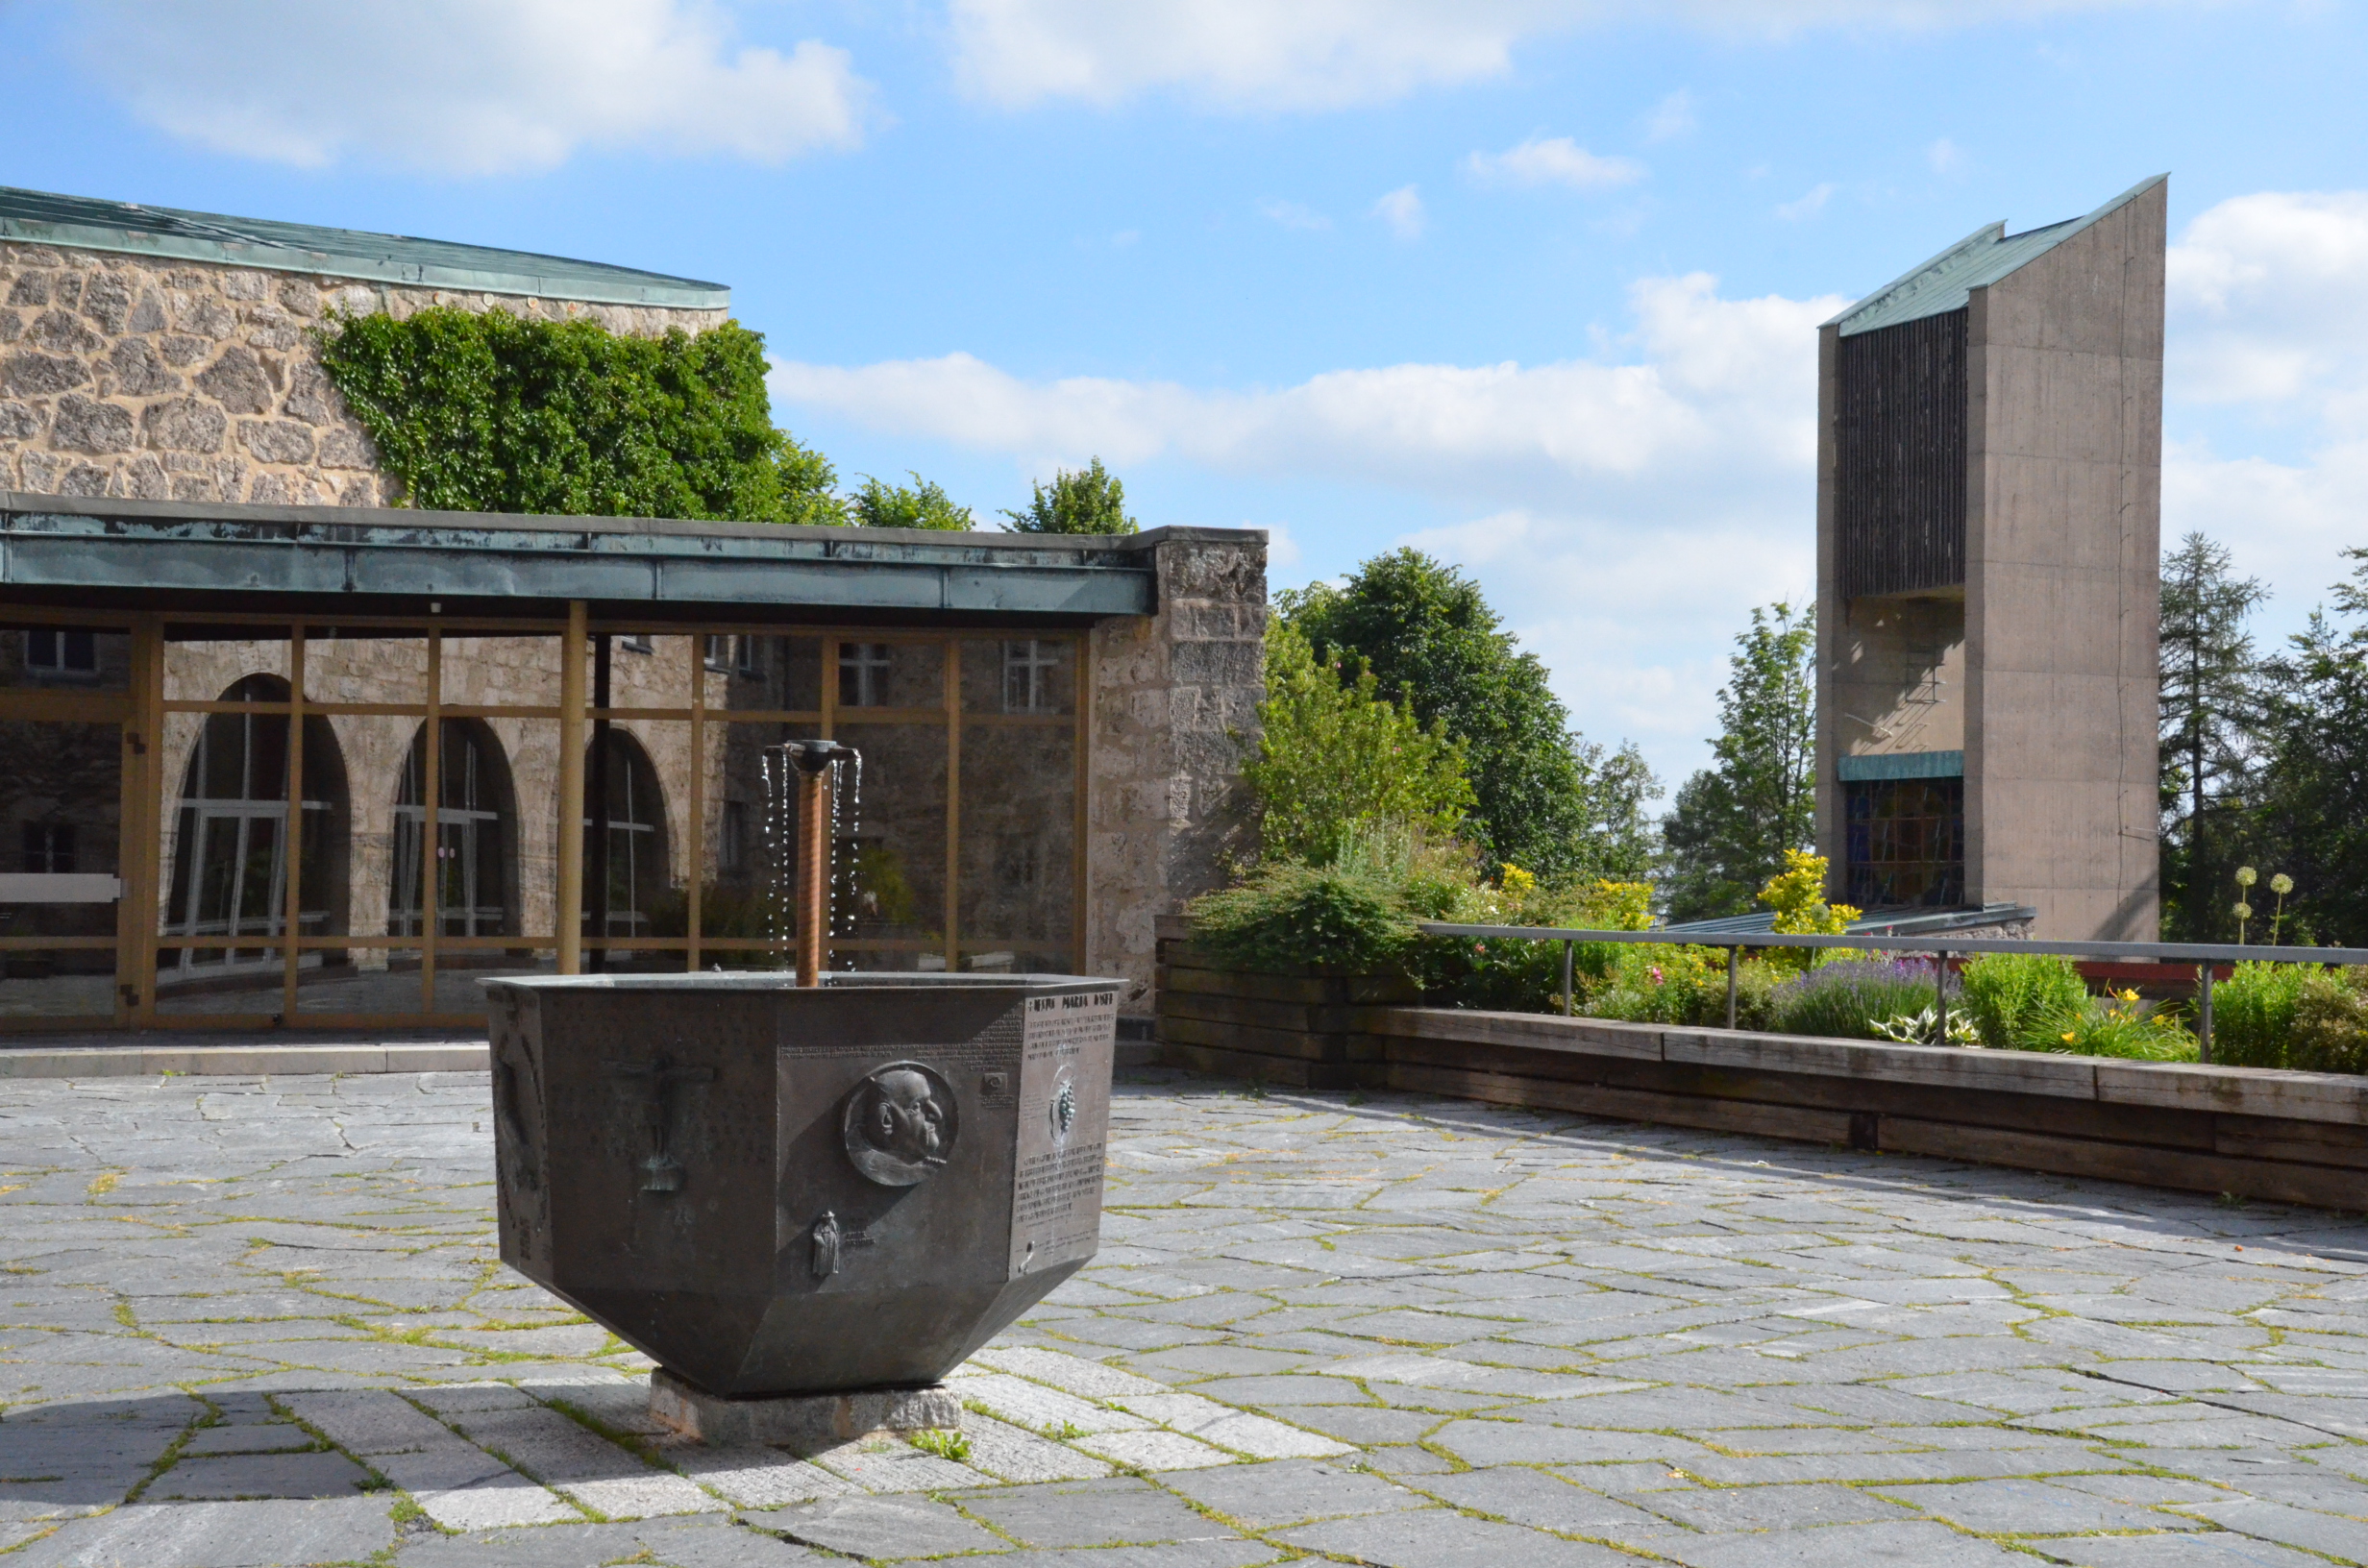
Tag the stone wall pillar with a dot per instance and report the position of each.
(1175, 710)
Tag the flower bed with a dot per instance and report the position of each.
(2257, 1132)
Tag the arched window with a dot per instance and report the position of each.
(637, 875)
(475, 825)
(229, 843)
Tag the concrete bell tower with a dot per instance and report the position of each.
(1989, 463)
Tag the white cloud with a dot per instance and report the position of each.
(1402, 210)
(466, 86)
(1724, 395)
(2268, 345)
(1553, 162)
(1945, 157)
(1294, 215)
(1622, 511)
(2267, 306)
(1633, 622)
(1282, 550)
(1238, 54)
(2283, 521)
(1808, 206)
(1264, 55)
(1672, 117)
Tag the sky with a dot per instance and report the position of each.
(1529, 284)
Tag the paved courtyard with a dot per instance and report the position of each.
(250, 1322)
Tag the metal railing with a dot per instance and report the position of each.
(1938, 947)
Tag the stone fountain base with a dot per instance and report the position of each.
(798, 1420)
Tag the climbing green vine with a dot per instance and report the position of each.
(489, 412)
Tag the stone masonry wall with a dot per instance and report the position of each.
(1175, 710)
(159, 379)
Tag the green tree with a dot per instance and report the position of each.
(2311, 818)
(2212, 724)
(487, 412)
(1732, 823)
(920, 505)
(1544, 798)
(1089, 500)
(1333, 756)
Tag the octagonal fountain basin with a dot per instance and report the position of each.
(775, 1191)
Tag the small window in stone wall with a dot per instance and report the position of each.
(863, 674)
(731, 850)
(748, 657)
(1027, 677)
(72, 654)
(1905, 842)
(49, 846)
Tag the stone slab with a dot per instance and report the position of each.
(888, 1528)
(237, 1060)
(260, 1475)
(218, 1536)
(798, 1420)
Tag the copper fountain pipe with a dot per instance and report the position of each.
(813, 760)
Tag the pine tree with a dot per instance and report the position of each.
(2308, 815)
(2211, 731)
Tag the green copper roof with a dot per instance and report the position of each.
(1981, 257)
(83, 223)
(347, 561)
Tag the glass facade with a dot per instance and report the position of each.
(255, 821)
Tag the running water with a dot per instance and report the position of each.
(844, 900)
(780, 844)
(779, 799)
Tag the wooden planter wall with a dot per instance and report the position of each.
(2295, 1137)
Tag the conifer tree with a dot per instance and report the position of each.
(2211, 731)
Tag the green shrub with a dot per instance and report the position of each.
(2330, 1024)
(2023, 1001)
(2253, 1013)
(1289, 914)
(1852, 998)
(1649, 983)
(1522, 975)
(2119, 1024)
(2039, 1002)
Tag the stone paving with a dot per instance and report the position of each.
(248, 1322)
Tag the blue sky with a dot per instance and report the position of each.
(1529, 283)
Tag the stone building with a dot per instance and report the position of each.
(198, 563)
(1989, 535)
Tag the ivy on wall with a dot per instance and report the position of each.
(488, 412)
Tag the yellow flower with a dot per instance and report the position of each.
(2067, 1037)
